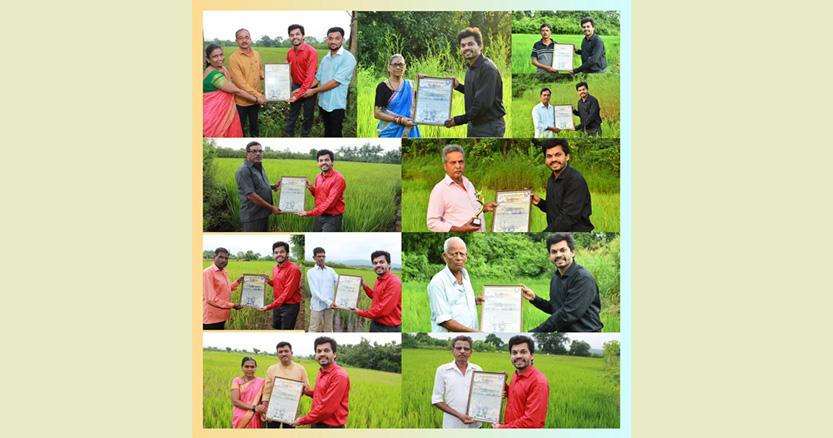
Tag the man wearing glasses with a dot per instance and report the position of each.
(247, 71)
(254, 191)
(453, 304)
(451, 386)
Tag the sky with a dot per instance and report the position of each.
(354, 246)
(223, 24)
(236, 242)
(297, 144)
(301, 342)
(596, 340)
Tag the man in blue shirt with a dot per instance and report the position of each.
(331, 80)
(322, 281)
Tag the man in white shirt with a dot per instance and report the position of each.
(322, 281)
(543, 117)
(453, 304)
(451, 386)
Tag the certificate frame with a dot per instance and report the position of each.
(499, 226)
(281, 412)
(488, 310)
(276, 74)
(562, 66)
(568, 123)
(435, 98)
(290, 203)
(253, 290)
(346, 297)
(488, 396)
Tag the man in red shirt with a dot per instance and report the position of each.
(216, 292)
(329, 195)
(303, 64)
(528, 392)
(285, 289)
(332, 386)
(386, 307)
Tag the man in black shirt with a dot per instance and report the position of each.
(588, 112)
(483, 90)
(568, 199)
(592, 51)
(575, 302)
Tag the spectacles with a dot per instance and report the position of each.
(398, 64)
(256, 151)
(462, 348)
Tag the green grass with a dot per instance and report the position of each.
(578, 397)
(369, 198)
(522, 49)
(374, 402)
(246, 318)
(270, 55)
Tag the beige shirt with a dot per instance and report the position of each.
(294, 372)
(246, 71)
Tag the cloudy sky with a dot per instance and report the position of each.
(354, 246)
(298, 144)
(223, 24)
(236, 242)
(301, 342)
(596, 340)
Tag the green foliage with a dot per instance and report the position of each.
(495, 340)
(565, 22)
(522, 48)
(579, 348)
(386, 357)
(611, 370)
(214, 196)
(550, 343)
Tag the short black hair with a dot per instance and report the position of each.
(470, 31)
(325, 340)
(462, 338)
(339, 30)
(544, 89)
(521, 339)
(545, 25)
(553, 142)
(219, 250)
(325, 152)
(318, 250)
(378, 253)
(558, 237)
(295, 26)
(586, 19)
(283, 344)
(252, 143)
(283, 244)
(582, 84)
(246, 359)
(210, 48)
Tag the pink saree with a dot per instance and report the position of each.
(219, 113)
(250, 392)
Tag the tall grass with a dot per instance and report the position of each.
(578, 396)
(522, 51)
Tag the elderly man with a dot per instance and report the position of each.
(216, 293)
(285, 369)
(453, 204)
(332, 79)
(528, 393)
(453, 304)
(254, 191)
(451, 386)
(568, 206)
(247, 72)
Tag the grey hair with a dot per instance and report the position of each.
(390, 61)
(451, 240)
(452, 148)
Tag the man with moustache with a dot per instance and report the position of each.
(331, 80)
(528, 392)
(588, 111)
(285, 369)
(254, 191)
(453, 204)
(453, 304)
(451, 386)
(247, 72)
(303, 60)
(386, 296)
(322, 281)
(567, 206)
(332, 388)
(592, 51)
(286, 289)
(542, 51)
(575, 302)
(543, 118)
(329, 195)
(216, 293)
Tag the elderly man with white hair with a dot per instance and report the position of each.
(453, 304)
(452, 205)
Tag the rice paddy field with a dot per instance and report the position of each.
(370, 198)
(270, 54)
(375, 399)
(522, 51)
(578, 397)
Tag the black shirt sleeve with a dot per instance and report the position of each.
(571, 204)
(383, 94)
(485, 94)
(580, 296)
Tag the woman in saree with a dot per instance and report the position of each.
(395, 103)
(245, 396)
(219, 113)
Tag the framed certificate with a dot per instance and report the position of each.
(293, 193)
(563, 115)
(512, 214)
(285, 400)
(433, 101)
(502, 311)
(252, 290)
(347, 292)
(562, 57)
(485, 396)
(278, 82)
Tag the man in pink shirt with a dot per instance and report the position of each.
(452, 205)
(216, 293)
(329, 195)
(303, 64)
(332, 388)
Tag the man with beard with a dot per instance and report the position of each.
(588, 111)
(386, 296)
(332, 387)
(528, 392)
(453, 304)
(254, 191)
(247, 71)
(567, 206)
(592, 51)
(451, 386)
(329, 195)
(331, 80)
(575, 302)
(453, 204)
(216, 293)
(286, 289)
(285, 369)
(302, 59)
